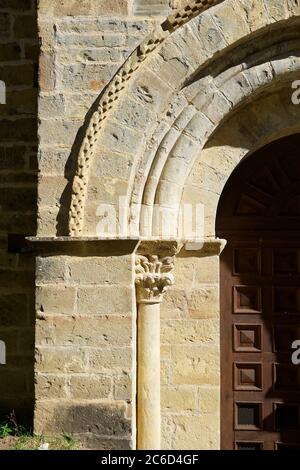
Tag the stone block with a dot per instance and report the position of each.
(61, 8)
(50, 387)
(51, 106)
(196, 365)
(47, 72)
(60, 360)
(231, 22)
(196, 432)
(175, 304)
(106, 300)
(190, 331)
(55, 132)
(102, 419)
(209, 400)
(207, 270)
(180, 398)
(151, 7)
(87, 387)
(105, 270)
(150, 89)
(203, 302)
(84, 331)
(89, 77)
(277, 9)
(54, 161)
(50, 269)
(55, 299)
(123, 387)
(110, 359)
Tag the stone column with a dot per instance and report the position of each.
(153, 276)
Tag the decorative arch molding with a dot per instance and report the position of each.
(187, 108)
(112, 94)
(194, 130)
(250, 128)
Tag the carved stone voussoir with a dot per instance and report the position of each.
(153, 277)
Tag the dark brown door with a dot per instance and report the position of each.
(259, 215)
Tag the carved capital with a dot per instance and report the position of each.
(153, 277)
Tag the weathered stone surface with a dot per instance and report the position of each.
(150, 7)
(55, 300)
(84, 7)
(90, 387)
(103, 419)
(104, 270)
(50, 269)
(209, 400)
(50, 387)
(113, 302)
(159, 123)
(203, 302)
(84, 331)
(190, 331)
(109, 359)
(123, 387)
(194, 432)
(61, 360)
(180, 398)
(196, 365)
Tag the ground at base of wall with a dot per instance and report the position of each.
(28, 442)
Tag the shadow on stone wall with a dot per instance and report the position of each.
(18, 197)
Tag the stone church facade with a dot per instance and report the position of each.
(149, 116)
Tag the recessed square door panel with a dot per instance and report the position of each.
(248, 416)
(247, 376)
(247, 337)
(246, 299)
(247, 261)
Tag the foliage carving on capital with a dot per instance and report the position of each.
(153, 277)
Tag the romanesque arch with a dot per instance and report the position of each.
(176, 98)
(210, 86)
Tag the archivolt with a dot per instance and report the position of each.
(168, 172)
(195, 72)
(111, 95)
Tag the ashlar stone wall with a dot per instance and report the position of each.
(18, 204)
(85, 347)
(86, 306)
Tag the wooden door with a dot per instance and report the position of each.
(259, 215)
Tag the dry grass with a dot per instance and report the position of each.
(11, 439)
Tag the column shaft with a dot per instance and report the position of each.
(148, 404)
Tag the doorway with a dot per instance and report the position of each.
(259, 216)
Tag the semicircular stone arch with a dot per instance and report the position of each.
(132, 156)
(263, 121)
